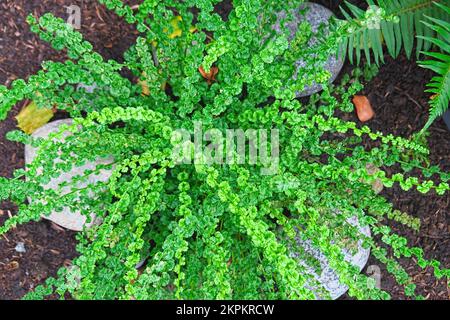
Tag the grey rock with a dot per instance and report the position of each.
(67, 219)
(329, 278)
(316, 15)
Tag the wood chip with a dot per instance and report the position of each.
(67, 263)
(13, 265)
(363, 107)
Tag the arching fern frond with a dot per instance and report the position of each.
(440, 63)
(397, 33)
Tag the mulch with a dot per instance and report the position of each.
(396, 94)
(47, 248)
(401, 108)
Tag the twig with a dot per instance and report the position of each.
(409, 97)
(435, 237)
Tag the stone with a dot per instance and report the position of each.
(329, 278)
(316, 15)
(20, 247)
(67, 219)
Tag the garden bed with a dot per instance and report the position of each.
(396, 95)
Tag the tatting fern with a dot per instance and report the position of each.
(222, 230)
(439, 85)
(397, 33)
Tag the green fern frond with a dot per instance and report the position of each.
(440, 64)
(395, 33)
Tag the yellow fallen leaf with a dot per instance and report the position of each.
(175, 23)
(32, 117)
(177, 31)
(144, 85)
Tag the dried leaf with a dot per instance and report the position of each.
(177, 31)
(13, 265)
(67, 263)
(144, 85)
(32, 117)
(210, 76)
(364, 109)
(176, 27)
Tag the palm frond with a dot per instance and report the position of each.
(395, 34)
(440, 64)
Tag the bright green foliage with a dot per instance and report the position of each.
(397, 32)
(440, 63)
(212, 231)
